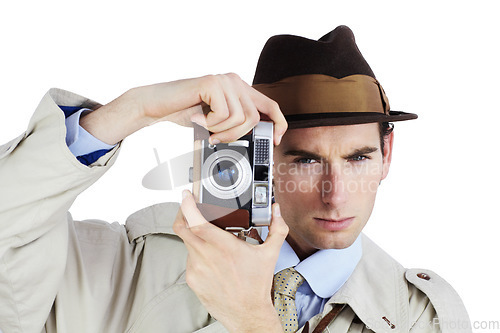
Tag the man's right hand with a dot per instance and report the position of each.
(235, 109)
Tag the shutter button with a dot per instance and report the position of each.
(424, 276)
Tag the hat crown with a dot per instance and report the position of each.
(335, 54)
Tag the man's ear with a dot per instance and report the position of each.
(388, 141)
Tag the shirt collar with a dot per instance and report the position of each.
(326, 270)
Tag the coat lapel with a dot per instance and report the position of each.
(377, 291)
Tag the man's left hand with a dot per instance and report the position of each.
(231, 278)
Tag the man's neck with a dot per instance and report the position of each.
(301, 251)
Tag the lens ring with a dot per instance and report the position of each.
(241, 184)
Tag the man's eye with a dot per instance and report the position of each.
(306, 160)
(358, 158)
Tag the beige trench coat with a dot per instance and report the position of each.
(60, 275)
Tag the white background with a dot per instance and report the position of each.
(438, 209)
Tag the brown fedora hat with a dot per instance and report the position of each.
(322, 83)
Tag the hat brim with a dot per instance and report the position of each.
(345, 118)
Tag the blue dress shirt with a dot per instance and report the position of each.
(81, 143)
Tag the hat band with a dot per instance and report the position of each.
(317, 93)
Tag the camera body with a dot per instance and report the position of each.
(232, 182)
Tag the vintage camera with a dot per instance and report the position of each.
(232, 182)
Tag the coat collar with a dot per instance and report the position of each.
(376, 291)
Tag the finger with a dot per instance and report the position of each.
(199, 118)
(199, 226)
(278, 230)
(196, 222)
(182, 230)
(218, 114)
(234, 133)
(213, 95)
(252, 118)
(236, 113)
(190, 210)
(270, 108)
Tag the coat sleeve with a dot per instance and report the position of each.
(39, 180)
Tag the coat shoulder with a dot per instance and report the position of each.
(156, 219)
(450, 310)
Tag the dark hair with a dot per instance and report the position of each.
(385, 129)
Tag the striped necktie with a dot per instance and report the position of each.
(286, 283)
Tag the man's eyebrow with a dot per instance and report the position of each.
(304, 153)
(361, 151)
(356, 152)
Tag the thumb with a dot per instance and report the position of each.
(278, 230)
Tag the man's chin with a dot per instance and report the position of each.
(340, 240)
(309, 243)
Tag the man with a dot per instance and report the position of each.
(68, 276)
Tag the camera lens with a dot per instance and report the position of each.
(225, 173)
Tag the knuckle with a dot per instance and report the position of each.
(218, 124)
(219, 110)
(283, 229)
(285, 125)
(281, 128)
(273, 105)
(239, 119)
(254, 118)
(179, 224)
(199, 230)
(217, 117)
(224, 113)
(221, 79)
(233, 76)
(176, 227)
(209, 80)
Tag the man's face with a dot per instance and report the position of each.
(325, 180)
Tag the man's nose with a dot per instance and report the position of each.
(334, 190)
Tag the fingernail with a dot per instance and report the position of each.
(277, 211)
(215, 141)
(185, 193)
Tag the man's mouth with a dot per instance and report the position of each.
(334, 224)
